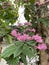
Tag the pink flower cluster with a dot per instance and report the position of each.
(37, 38)
(42, 46)
(20, 37)
(26, 37)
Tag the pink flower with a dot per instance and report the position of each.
(32, 30)
(28, 23)
(29, 38)
(19, 38)
(13, 32)
(37, 38)
(41, 46)
(22, 37)
(18, 34)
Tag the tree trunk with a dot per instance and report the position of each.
(43, 58)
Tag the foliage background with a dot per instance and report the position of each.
(38, 15)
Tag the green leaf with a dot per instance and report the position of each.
(18, 43)
(23, 58)
(32, 1)
(9, 39)
(13, 49)
(32, 43)
(12, 61)
(18, 50)
(30, 52)
(44, 21)
(8, 51)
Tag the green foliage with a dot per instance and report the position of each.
(9, 39)
(32, 1)
(8, 12)
(19, 49)
(13, 49)
(12, 61)
(9, 51)
(36, 14)
(30, 52)
(23, 59)
(45, 21)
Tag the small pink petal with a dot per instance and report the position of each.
(32, 30)
(29, 38)
(13, 32)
